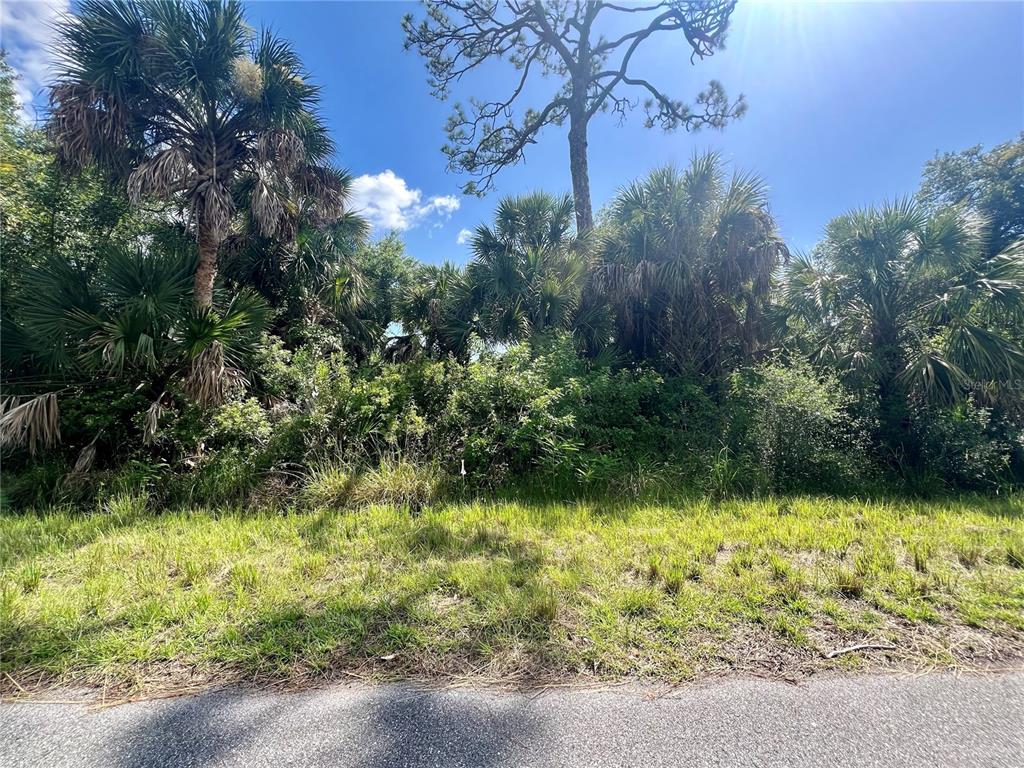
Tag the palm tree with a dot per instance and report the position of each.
(190, 104)
(686, 263)
(908, 304)
(312, 276)
(527, 270)
(131, 319)
(437, 310)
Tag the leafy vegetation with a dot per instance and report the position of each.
(571, 442)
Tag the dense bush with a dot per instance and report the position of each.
(328, 432)
(316, 428)
(796, 429)
(960, 447)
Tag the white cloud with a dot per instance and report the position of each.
(388, 203)
(27, 34)
(463, 238)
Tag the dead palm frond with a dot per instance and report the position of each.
(151, 425)
(210, 380)
(31, 423)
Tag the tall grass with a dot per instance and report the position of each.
(379, 576)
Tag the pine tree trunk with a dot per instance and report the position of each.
(580, 172)
(206, 269)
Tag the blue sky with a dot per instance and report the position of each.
(847, 102)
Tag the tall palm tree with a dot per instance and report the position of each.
(686, 263)
(527, 270)
(189, 103)
(908, 303)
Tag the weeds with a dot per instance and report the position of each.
(921, 552)
(1015, 553)
(521, 588)
(394, 482)
(968, 551)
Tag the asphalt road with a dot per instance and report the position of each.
(935, 720)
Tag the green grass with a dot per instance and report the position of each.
(505, 590)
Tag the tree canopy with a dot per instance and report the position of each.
(188, 103)
(589, 47)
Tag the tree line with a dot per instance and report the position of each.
(178, 223)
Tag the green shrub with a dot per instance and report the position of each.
(509, 419)
(106, 412)
(796, 427)
(959, 446)
(240, 423)
(540, 410)
(273, 372)
(227, 476)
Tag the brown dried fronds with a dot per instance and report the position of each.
(32, 423)
(161, 175)
(210, 379)
(213, 207)
(282, 147)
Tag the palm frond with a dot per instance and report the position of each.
(31, 423)
(935, 377)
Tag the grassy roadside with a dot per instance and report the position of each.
(510, 591)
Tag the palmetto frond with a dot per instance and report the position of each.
(809, 291)
(996, 287)
(983, 352)
(935, 377)
(687, 260)
(950, 239)
(214, 343)
(210, 379)
(283, 147)
(440, 306)
(31, 423)
(266, 205)
(527, 271)
(156, 283)
(906, 298)
(125, 340)
(234, 329)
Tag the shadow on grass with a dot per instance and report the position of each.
(446, 618)
(455, 599)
